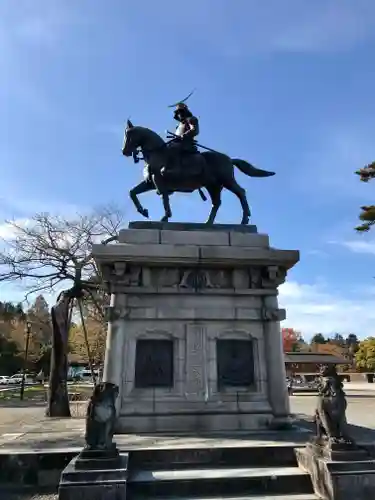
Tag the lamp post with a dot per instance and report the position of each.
(28, 332)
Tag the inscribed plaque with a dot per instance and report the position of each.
(235, 363)
(154, 363)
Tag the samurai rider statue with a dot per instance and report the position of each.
(183, 142)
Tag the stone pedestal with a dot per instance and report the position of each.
(194, 339)
(95, 475)
(339, 474)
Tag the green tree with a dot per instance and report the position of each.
(11, 323)
(338, 339)
(11, 312)
(352, 339)
(39, 315)
(10, 359)
(365, 355)
(367, 215)
(318, 338)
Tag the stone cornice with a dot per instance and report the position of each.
(194, 255)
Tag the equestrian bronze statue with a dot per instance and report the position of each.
(178, 166)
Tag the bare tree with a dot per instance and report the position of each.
(50, 252)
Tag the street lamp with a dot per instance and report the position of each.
(28, 332)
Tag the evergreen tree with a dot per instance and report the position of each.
(318, 338)
(367, 215)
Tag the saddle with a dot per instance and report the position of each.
(185, 160)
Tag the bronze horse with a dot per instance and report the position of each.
(211, 170)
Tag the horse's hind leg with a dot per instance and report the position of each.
(167, 208)
(143, 187)
(239, 191)
(215, 194)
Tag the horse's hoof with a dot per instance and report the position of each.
(245, 221)
(145, 213)
(164, 219)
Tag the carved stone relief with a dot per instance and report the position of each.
(196, 279)
(200, 278)
(255, 277)
(115, 313)
(273, 276)
(123, 273)
(195, 345)
(272, 314)
(165, 277)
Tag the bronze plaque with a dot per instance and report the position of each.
(154, 363)
(235, 363)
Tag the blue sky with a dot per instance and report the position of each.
(286, 85)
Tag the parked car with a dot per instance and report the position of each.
(4, 380)
(17, 379)
(86, 376)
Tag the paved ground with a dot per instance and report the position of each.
(24, 427)
(361, 405)
(27, 496)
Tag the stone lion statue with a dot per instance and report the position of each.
(101, 416)
(330, 414)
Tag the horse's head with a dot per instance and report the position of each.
(131, 139)
(140, 137)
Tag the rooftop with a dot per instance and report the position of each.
(314, 357)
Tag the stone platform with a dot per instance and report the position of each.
(194, 339)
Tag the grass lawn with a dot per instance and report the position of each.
(39, 393)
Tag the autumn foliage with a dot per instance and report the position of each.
(291, 338)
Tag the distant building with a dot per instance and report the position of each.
(309, 362)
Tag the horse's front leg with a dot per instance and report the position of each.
(143, 187)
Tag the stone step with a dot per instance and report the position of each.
(219, 481)
(235, 456)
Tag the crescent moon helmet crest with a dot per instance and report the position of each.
(182, 103)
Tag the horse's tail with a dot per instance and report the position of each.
(248, 169)
(202, 195)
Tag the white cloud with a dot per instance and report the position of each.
(8, 231)
(360, 246)
(313, 308)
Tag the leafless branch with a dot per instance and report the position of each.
(47, 250)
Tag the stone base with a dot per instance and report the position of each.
(193, 226)
(197, 423)
(194, 340)
(282, 424)
(338, 452)
(95, 475)
(351, 479)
